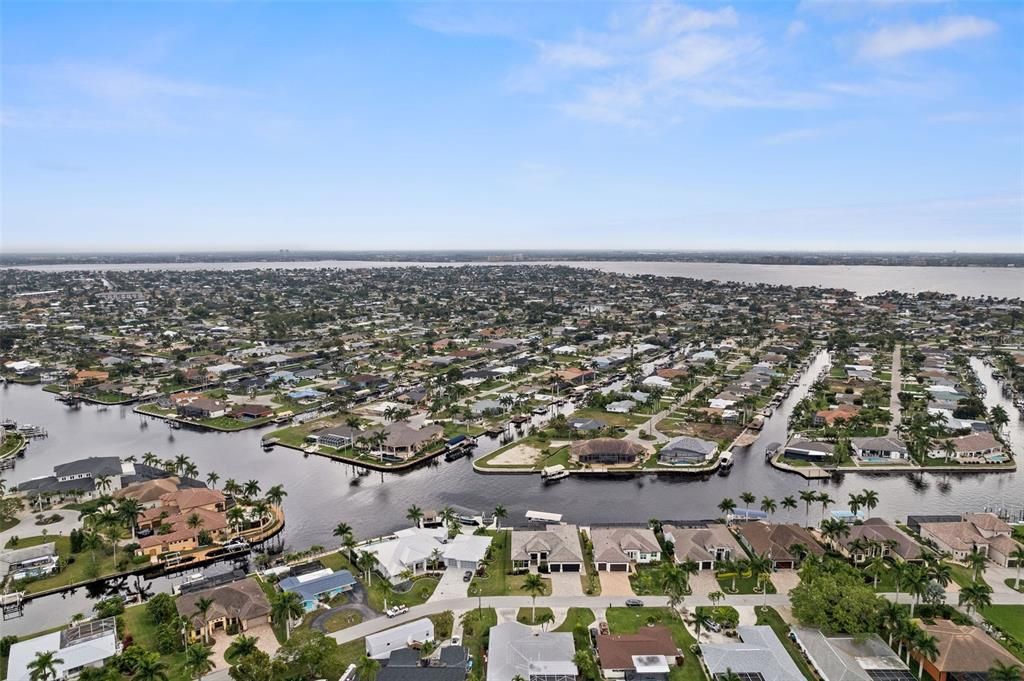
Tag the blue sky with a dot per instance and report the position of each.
(233, 125)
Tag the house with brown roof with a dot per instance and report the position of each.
(778, 541)
(620, 655)
(964, 650)
(617, 549)
(605, 451)
(241, 604)
(86, 377)
(179, 521)
(841, 412)
(705, 546)
(556, 546)
(203, 408)
(974, 448)
(876, 537)
(982, 532)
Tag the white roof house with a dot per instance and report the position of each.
(85, 645)
(466, 551)
(380, 646)
(759, 651)
(516, 649)
(413, 548)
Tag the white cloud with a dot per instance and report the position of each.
(797, 135)
(124, 83)
(894, 41)
(574, 55)
(795, 29)
(958, 117)
(668, 18)
(695, 55)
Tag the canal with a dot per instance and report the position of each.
(322, 492)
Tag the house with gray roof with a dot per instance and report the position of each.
(687, 450)
(617, 549)
(517, 650)
(406, 664)
(758, 652)
(851, 658)
(557, 546)
(705, 546)
(879, 448)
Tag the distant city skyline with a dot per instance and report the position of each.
(873, 126)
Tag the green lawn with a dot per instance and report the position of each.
(80, 566)
(143, 632)
(529, 617)
(770, 617)
(1009, 618)
(632, 620)
(1012, 583)
(476, 627)
(342, 620)
(745, 584)
(379, 593)
(12, 442)
(963, 575)
(496, 580)
(575, 616)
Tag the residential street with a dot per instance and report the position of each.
(894, 389)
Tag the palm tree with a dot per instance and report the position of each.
(112, 533)
(917, 582)
(534, 585)
(876, 568)
(198, 660)
(726, 506)
(869, 499)
(1018, 555)
(414, 515)
(673, 580)
(856, 501)
(926, 646)
(999, 416)
(948, 448)
(892, 617)
(500, 513)
(128, 510)
(149, 667)
(232, 488)
(729, 675)
(241, 646)
(43, 666)
(900, 571)
(1001, 671)
(768, 506)
(825, 500)
(367, 562)
(975, 596)
(546, 618)
(212, 478)
(203, 606)
(284, 607)
(348, 542)
(150, 459)
(235, 516)
(789, 503)
(276, 494)
(103, 483)
(748, 498)
(808, 496)
(977, 561)
(251, 489)
(762, 567)
(367, 668)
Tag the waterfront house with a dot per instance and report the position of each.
(647, 655)
(416, 550)
(78, 478)
(379, 646)
(241, 604)
(404, 441)
(319, 586)
(76, 648)
(617, 549)
(835, 414)
(620, 407)
(687, 451)
(203, 408)
(557, 547)
(759, 654)
(251, 412)
(516, 650)
(584, 424)
(865, 657)
(605, 451)
(876, 537)
(406, 664)
(808, 450)
(28, 563)
(705, 546)
(778, 541)
(973, 448)
(982, 532)
(338, 437)
(965, 652)
(866, 448)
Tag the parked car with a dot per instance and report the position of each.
(712, 625)
(468, 576)
(396, 611)
(634, 603)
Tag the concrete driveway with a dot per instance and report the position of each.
(703, 583)
(450, 585)
(784, 580)
(615, 583)
(566, 584)
(266, 641)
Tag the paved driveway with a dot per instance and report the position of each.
(566, 584)
(615, 583)
(266, 641)
(450, 585)
(356, 603)
(784, 580)
(704, 582)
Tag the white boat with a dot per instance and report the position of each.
(725, 462)
(186, 580)
(554, 473)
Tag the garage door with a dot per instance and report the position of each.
(620, 567)
(602, 566)
(571, 567)
(554, 567)
(784, 565)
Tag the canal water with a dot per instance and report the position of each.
(322, 493)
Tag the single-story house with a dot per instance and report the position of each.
(29, 562)
(808, 450)
(705, 546)
(620, 407)
(617, 549)
(965, 652)
(973, 448)
(629, 656)
(879, 538)
(556, 546)
(516, 650)
(982, 532)
(251, 412)
(879, 448)
(204, 408)
(851, 658)
(380, 646)
(759, 654)
(687, 450)
(605, 451)
(89, 644)
(778, 541)
(405, 664)
(319, 586)
(241, 604)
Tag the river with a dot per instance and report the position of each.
(322, 492)
(864, 280)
